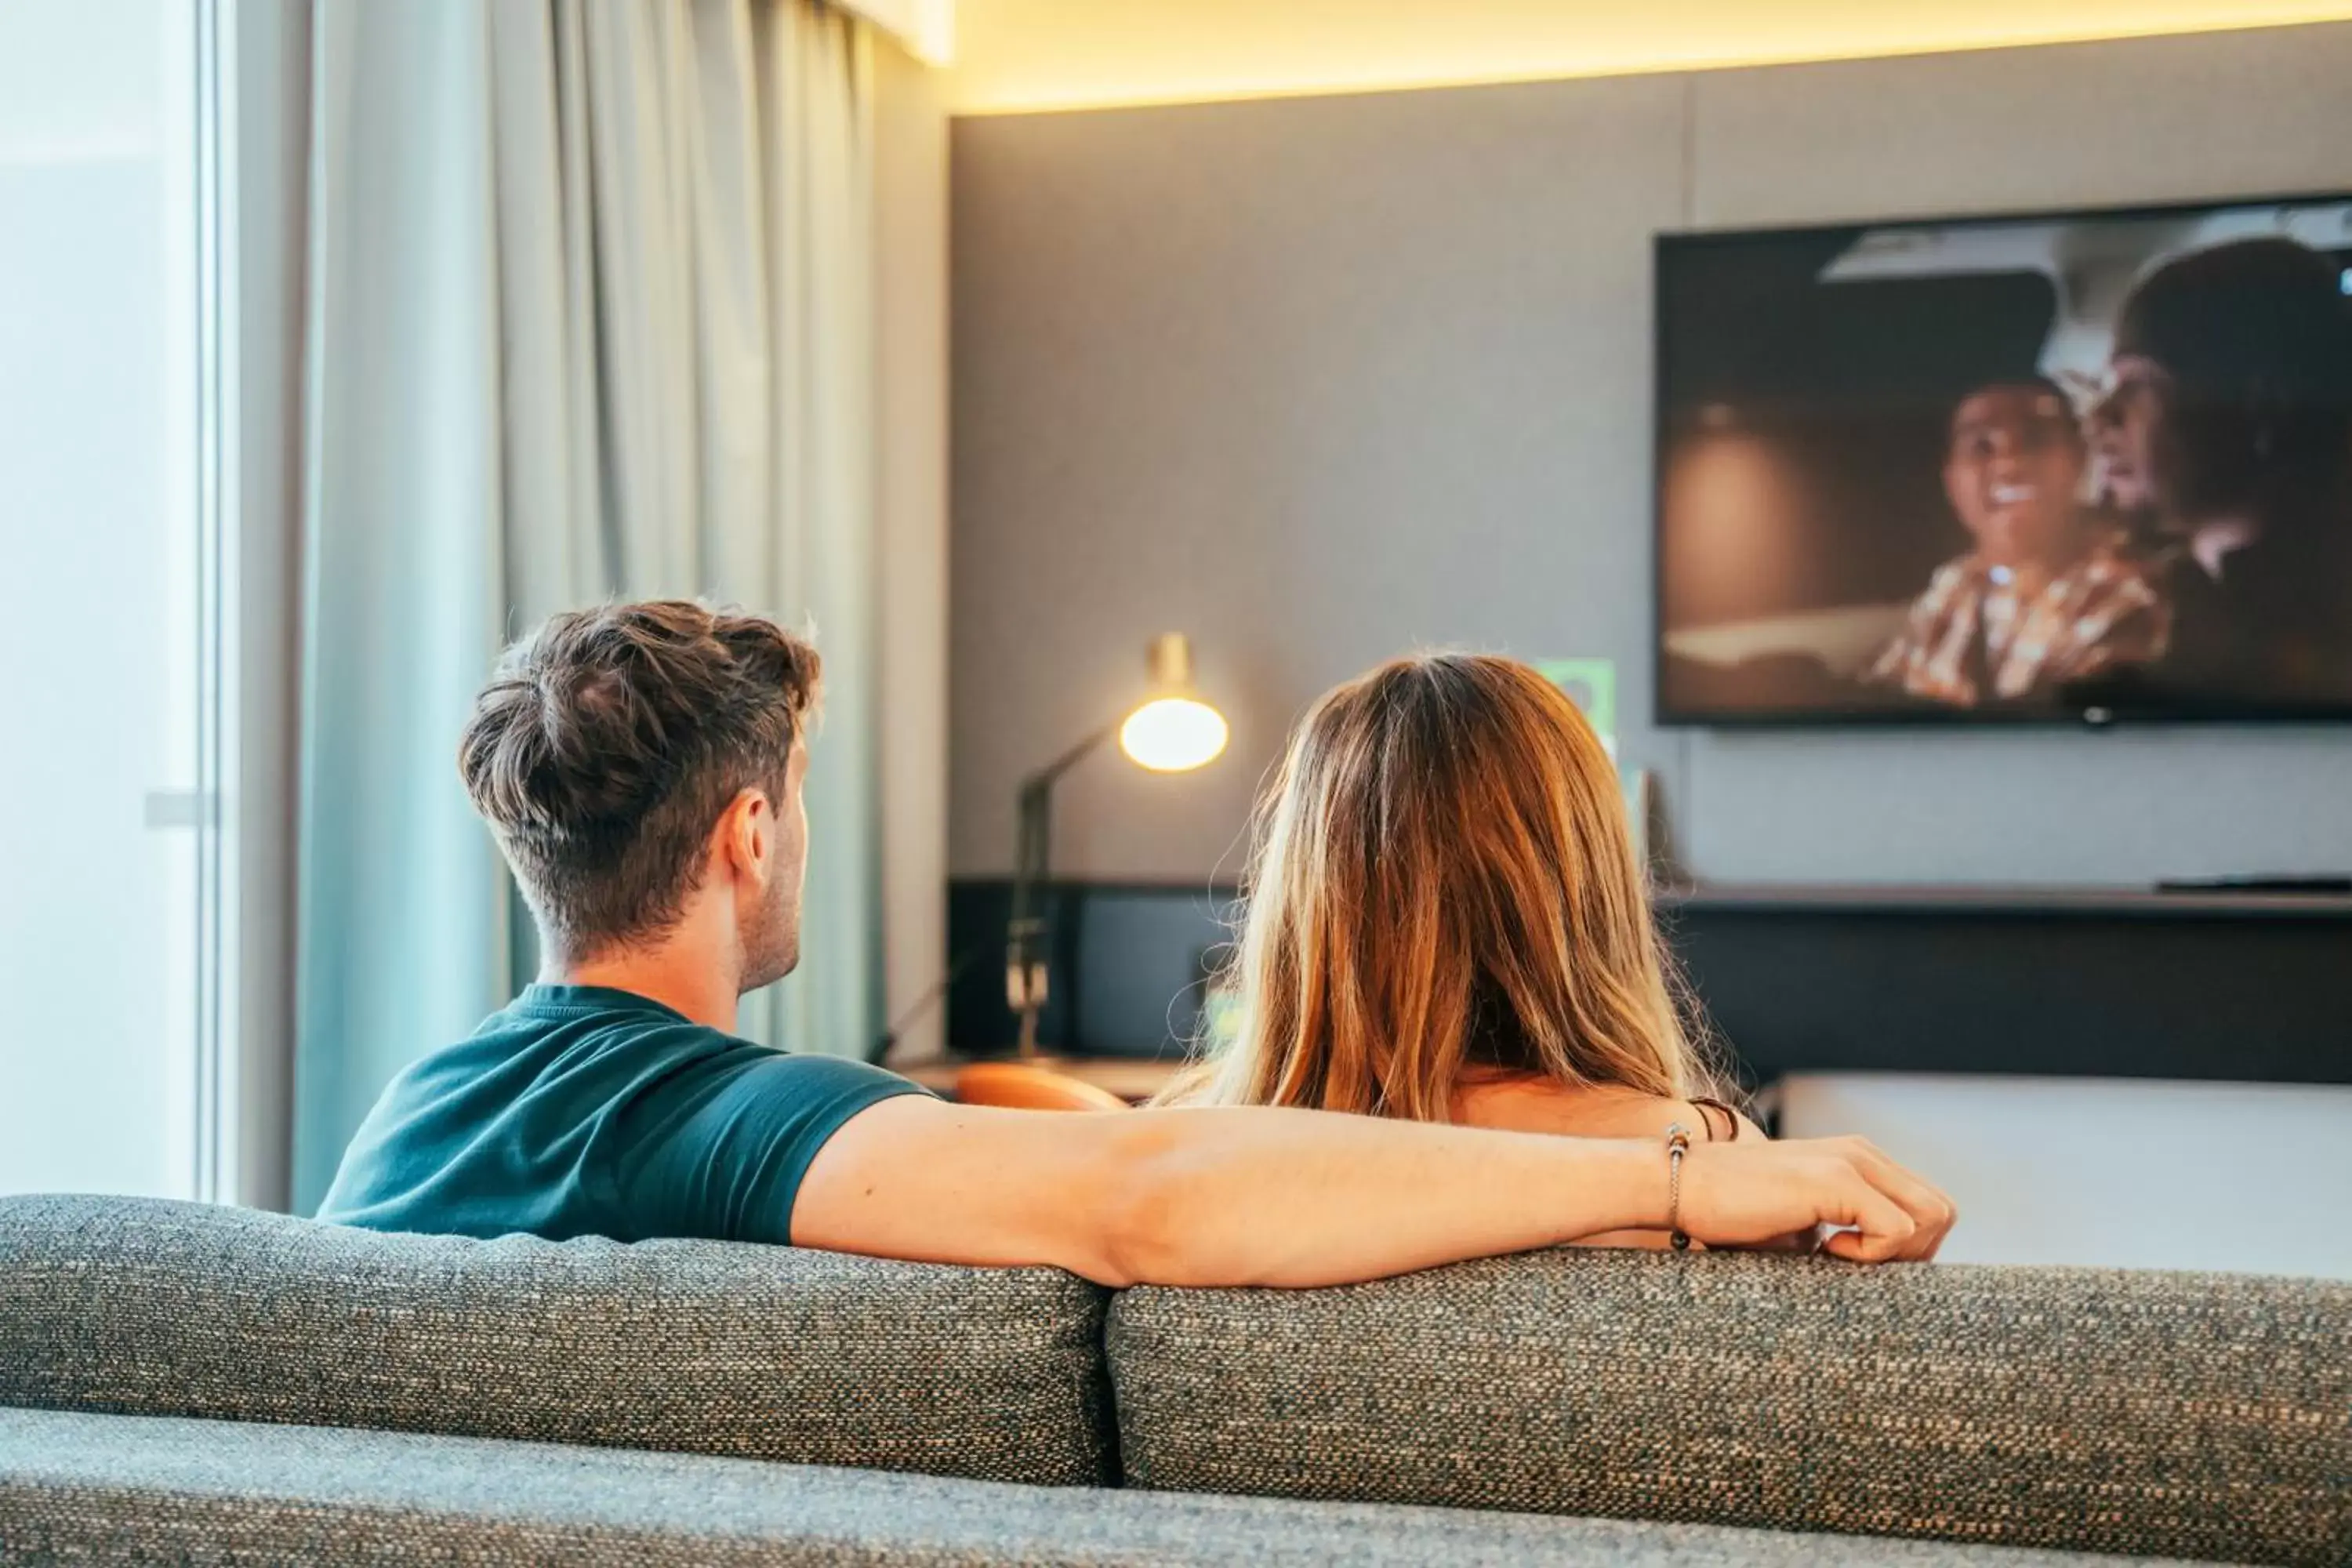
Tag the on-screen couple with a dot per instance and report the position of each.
(2189, 536)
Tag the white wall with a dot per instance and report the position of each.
(1317, 380)
(2121, 1174)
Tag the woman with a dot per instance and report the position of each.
(2045, 599)
(1446, 922)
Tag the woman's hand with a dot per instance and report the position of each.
(1755, 1195)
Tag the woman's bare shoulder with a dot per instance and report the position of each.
(1537, 1105)
(1581, 1110)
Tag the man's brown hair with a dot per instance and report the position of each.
(609, 741)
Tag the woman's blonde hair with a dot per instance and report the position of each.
(1443, 882)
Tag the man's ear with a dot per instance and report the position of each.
(746, 835)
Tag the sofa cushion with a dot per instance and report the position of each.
(153, 1308)
(2191, 1415)
(123, 1489)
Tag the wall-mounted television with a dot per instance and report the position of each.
(2072, 467)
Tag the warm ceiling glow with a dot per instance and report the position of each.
(1173, 735)
(926, 27)
(1015, 54)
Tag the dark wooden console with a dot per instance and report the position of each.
(2110, 982)
(2114, 983)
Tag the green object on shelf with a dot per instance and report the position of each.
(1591, 685)
(1220, 1016)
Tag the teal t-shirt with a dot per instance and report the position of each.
(581, 1110)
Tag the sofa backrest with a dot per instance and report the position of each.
(2189, 1415)
(166, 1309)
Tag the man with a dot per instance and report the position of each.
(641, 766)
(2226, 434)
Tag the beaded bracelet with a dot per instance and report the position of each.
(1678, 1141)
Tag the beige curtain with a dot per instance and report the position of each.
(591, 314)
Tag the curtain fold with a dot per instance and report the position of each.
(591, 316)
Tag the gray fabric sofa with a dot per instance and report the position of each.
(186, 1383)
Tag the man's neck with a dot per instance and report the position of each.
(697, 990)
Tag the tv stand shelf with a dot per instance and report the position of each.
(2091, 982)
(2023, 903)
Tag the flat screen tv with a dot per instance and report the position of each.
(2083, 467)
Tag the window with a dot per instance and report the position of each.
(109, 838)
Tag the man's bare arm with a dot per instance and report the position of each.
(1249, 1196)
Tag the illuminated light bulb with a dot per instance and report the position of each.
(1173, 735)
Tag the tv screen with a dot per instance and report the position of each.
(2078, 467)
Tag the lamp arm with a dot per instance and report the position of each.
(1027, 945)
(1044, 777)
(1033, 853)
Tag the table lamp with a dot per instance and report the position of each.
(1173, 732)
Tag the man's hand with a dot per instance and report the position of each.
(1756, 1195)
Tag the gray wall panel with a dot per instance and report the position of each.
(1314, 380)
(1321, 379)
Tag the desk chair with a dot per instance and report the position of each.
(1024, 1086)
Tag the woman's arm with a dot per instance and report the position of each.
(1597, 1111)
